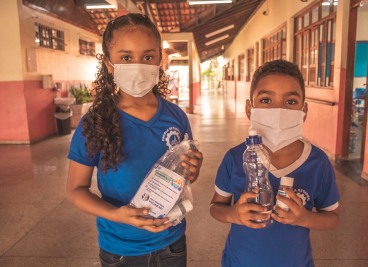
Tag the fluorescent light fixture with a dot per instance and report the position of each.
(217, 39)
(224, 29)
(107, 6)
(208, 2)
(100, 4)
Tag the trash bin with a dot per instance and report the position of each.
(63, 116)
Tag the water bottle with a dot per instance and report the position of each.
(256, 164)
(178, 212)
(164, 184)
(286, 182)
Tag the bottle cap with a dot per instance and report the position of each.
(287, 181)
(188, 206)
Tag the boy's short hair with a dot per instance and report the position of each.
(277, 67)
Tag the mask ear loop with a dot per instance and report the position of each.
(117, 89)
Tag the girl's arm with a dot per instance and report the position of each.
(79, 194)
(298, 215)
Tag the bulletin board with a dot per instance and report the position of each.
(361, 59)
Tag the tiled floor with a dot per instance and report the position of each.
(39, 227)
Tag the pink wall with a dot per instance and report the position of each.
(229, 89)
(40, 110)
(13, 110)
(194, 94)
(27, 112)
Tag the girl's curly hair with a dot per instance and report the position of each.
(101, 126)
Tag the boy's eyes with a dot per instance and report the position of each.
(266, 100)
(291, 102)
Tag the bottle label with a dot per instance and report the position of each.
(159, 191)
(281, 204)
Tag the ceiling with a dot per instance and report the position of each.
(214, 26)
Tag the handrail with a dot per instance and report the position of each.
(320, 101)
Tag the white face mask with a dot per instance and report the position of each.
(278, 127)
(136, 79)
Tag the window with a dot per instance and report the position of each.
(49, 38)
(274, 45)
(250, 64)
(241, 69)
(315, 43)
(86, 48)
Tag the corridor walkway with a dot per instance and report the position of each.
(39, 227)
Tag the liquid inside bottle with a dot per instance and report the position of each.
(256, 165)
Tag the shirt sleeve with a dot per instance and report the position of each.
(328, 196)
(77, 150)
(223, 177)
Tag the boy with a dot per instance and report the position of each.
(277, 110)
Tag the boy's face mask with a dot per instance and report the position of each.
(278, 127)
(136, 79)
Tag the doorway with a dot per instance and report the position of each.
(359, 85)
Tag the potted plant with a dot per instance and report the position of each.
(83, 101)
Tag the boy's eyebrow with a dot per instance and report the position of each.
(264, 91)
(294, 93)
(270, 92)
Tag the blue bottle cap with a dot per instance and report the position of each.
(253, 140)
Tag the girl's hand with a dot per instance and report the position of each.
(192, 162)
(135, 217)
(297, 212)
(247, 213)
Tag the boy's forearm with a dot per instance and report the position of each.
(221, 212)
(322, 220)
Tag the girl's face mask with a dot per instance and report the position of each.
(278, 127)
(136, 79)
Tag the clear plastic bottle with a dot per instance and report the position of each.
(284, 183)
(178, 212)
(256, 165)
(164, 184)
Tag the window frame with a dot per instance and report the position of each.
(315, 43)
(47, 37)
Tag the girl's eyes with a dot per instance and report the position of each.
(148, 57)
(129, 58)
(126, 58)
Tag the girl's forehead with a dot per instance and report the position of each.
(129, 31)
(133, 36)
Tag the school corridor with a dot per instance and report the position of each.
(39, 227)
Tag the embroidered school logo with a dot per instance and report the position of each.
(303, 195)
(171, 136)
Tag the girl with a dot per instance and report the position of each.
(128, 128)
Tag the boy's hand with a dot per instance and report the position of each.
(296, 213)
(247, 213)
(192, 162)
